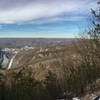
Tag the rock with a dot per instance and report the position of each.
(96, 98)
(76, 98)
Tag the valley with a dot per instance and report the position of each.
(59, 64)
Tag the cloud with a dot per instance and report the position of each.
(43, 11)
(57, 19)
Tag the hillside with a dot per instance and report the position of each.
(43, 59)
(61, 71)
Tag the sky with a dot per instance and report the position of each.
(44, 18)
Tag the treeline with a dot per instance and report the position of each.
(23, 86)
(84, 76)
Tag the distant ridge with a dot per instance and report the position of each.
(36, 42)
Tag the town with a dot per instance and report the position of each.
(8, 54)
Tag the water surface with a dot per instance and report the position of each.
(5, 61)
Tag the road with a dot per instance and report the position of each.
(11, 62)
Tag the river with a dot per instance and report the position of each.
(5, 61)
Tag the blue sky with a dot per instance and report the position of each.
(44, 18)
